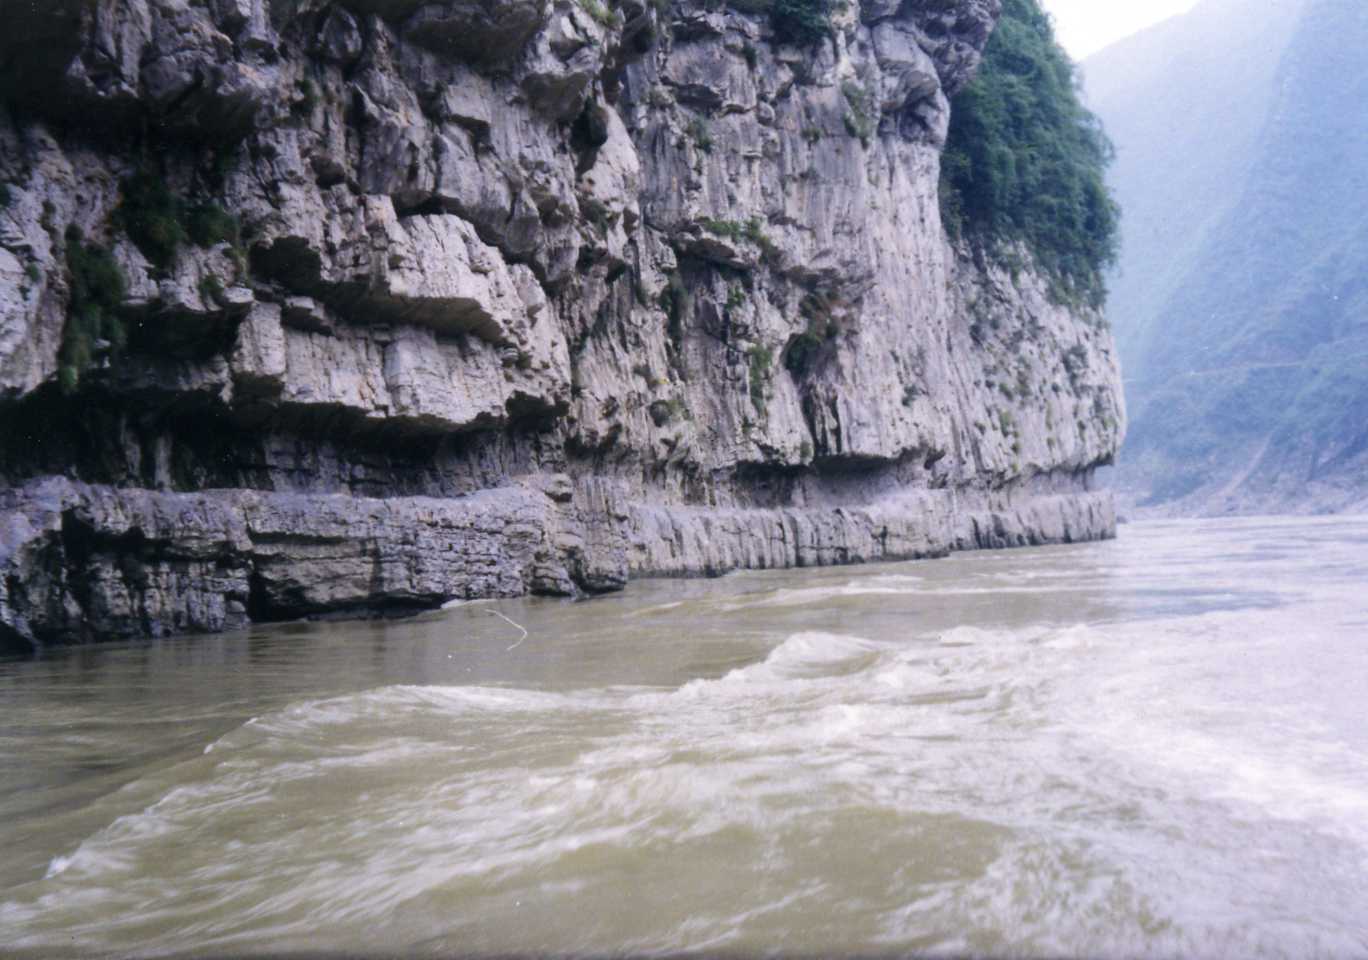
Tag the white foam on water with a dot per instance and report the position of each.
(457, 603)
(655, 610)
(1001, 590)
(816, 654)
(810, 596)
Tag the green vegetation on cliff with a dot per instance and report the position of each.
(98, 287)
(803, 22)
(151, 215)
(800, 22)
(160, 222)
(1025, 160)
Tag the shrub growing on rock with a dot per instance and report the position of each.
(151, 216)
(861, 117)
(761, 361)
(802, 22)
(160, 222)
(98, 287)
(208, 225)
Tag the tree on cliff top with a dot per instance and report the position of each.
(1025, 160)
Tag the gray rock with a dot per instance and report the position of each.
(339, 37)
(479, 31)
(147, 563)
(531, 298)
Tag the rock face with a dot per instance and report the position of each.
(521, 296)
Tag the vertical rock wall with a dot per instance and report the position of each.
(518, 296)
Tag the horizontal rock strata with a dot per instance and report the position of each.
(416, 301)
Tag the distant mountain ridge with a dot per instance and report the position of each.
(1241, 299)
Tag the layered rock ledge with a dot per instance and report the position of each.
(490, 299)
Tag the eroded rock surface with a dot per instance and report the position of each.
(521, 296)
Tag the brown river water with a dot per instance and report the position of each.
(1152, 747)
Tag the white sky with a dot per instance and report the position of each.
(1086, 26)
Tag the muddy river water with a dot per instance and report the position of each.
(1151, 747)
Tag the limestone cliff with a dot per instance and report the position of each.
(488, 297)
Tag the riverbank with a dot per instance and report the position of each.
(80, 563)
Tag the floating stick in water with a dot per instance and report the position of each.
(514, 623)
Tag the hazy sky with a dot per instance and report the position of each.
(1086, 26)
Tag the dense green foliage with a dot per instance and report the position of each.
(98, 287)
(151, 216)
(803, 22)
(209, 225)
(800, 22)
(159, 222)
(1025, 160)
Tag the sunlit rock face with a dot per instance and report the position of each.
(523, 297)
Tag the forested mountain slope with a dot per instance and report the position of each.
(1241, 299)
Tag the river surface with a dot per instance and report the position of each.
(1151, 747)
